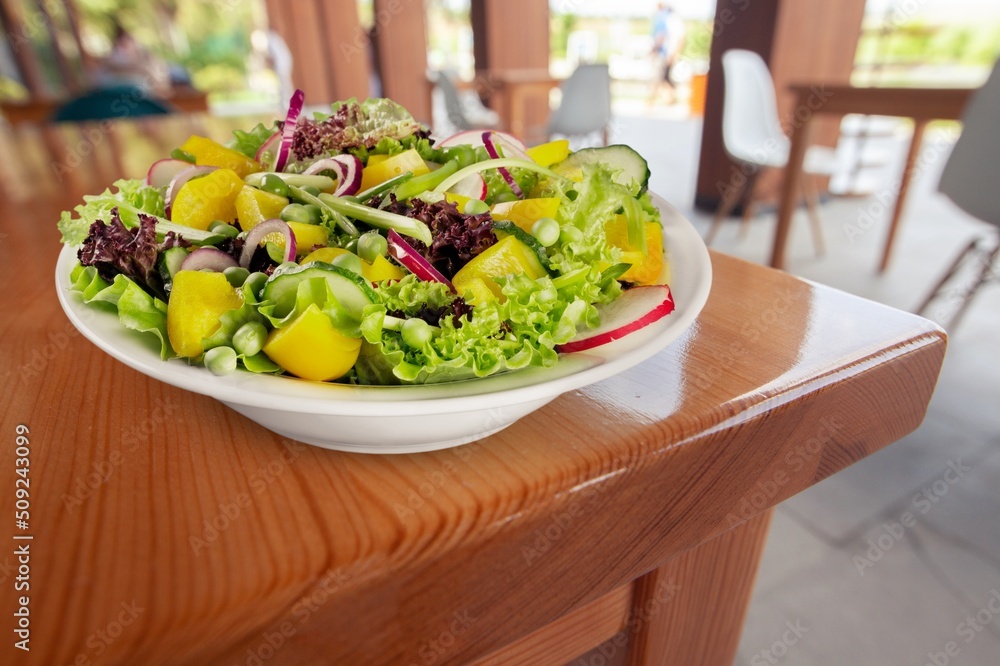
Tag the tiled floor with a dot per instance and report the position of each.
(860, 588)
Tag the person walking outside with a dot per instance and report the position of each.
(668, 40)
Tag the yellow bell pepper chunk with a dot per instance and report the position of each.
(210, 153)
(508, 256)
(381, 269)
(376, 159)
(547, 154)
(475, 291)
(646, 268)
(197, 300)
(311, 348)
(307, 236)
(408, 160)
(458, 199)
(526, 212)
(324, 254)
(212, 197)
(253, 206)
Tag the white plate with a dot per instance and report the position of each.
(405, 419)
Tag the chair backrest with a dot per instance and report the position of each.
(452, 102)
(751, 130)
(970, 176)
(125, 101)
(586, 102)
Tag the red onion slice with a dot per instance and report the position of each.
(493, 142)
(475, 138)
(268, 151)
(163, 171)
(288, 129)
(348, 168)
(179, 180)
(262, 230)
(412, 260)
(208, 258)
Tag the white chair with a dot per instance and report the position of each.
(752, 135)
(970, 180)
(463, 112)
(586, 103)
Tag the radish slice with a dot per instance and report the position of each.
(163, 171)
(494, 142)
(475, 138)
(268, 151)
(208, 258)
(636, 308)
(178, 182)
(472, 186)
(288, 129)
(348, 169)
(412, 260)
(258, 233)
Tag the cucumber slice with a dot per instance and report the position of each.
(511, 229)
(352, 291)
(633, 170)
(170, 263)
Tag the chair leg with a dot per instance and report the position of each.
(812, 198)
(984, 275)
(750, 205)
(604, 135)
(955, 265)
(728, 203)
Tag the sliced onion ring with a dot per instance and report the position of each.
(493, 142)
(178, 182)
(288, 129)
(208, 258)
(412, 260)
(269, 147)
(348, 168)
(262, 230)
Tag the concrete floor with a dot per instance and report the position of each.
(858, 587)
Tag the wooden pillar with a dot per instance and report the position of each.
(511, 35)
(802, 41)
(401, 43)
(17, 34)
(329, 47)
(66, 73)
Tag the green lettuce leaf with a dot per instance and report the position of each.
(137, 310)
(250, 142)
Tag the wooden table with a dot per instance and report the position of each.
(921, 104)
(627, 517)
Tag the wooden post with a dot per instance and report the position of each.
(401, 42)
(328, 44)
(801, 40)
(19, 39)
(69, 78)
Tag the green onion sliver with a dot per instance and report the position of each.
(485, 165)
(382, 219)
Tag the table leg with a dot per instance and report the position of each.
(691, 610)
(790, 189)
(904, 185)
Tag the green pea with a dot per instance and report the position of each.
(221, 360)
(255, 282)
(546, 231)
(309, 189)
(475, 207)
(352, 245)
(416, 332)
(349, 261)
(371, 245)
(250, 338)
(276, 253)
(236, 275)
(223, 229)
(504, 197)
(275, 185)
(570, 234)
(294, 212)
(315, 214)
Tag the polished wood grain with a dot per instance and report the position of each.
(193, 536)
(920, 104)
